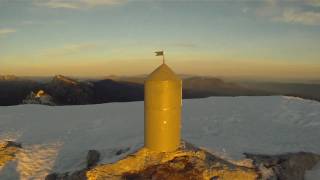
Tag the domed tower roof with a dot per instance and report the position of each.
(163, 73)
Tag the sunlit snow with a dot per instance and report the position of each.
(57, 138)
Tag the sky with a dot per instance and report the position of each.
(269, 39)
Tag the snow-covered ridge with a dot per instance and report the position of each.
(60, 136)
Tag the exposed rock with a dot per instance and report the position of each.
(8, 150)
(77, 175)
(190, 162)
(52, 176)
(121, 151)
(93, 158)
(12, 144)
(290, 166)
(40, 97)
(186, 167)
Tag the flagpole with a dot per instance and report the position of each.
(163, 62)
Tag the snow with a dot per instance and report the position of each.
(57, 138)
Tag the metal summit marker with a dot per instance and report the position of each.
(162, 109)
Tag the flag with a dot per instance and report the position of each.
(159, 53)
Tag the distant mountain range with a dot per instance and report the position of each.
(8, 77)
(303, 90)
(68, 91)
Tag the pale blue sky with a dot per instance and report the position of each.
(269, 37)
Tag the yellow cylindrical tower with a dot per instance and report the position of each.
(162, 110)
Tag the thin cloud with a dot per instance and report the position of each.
(31, 23)
(27, 22)
(244, 10)
(314, 3)
(185, 45)
(291, 11)
(76, 4)
(94, 3)
(299, 17)
(6, 31)
(69, 49)
(57, 4)
(272, 2)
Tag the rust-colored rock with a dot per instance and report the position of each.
(8, 150)
(188, 162)
(192, 163)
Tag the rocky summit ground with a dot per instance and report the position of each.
(187, 163)
(8, 150)
(192, 163)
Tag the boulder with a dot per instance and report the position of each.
(290, 166)
(93, 158)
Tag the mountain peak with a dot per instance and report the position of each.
(8, 77)
(64, 79)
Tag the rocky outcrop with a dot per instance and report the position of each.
(77, 175)
(190, 162)
(8, 150)
(193, 168)
(40, 97)
(291, 166)
(93, 158)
